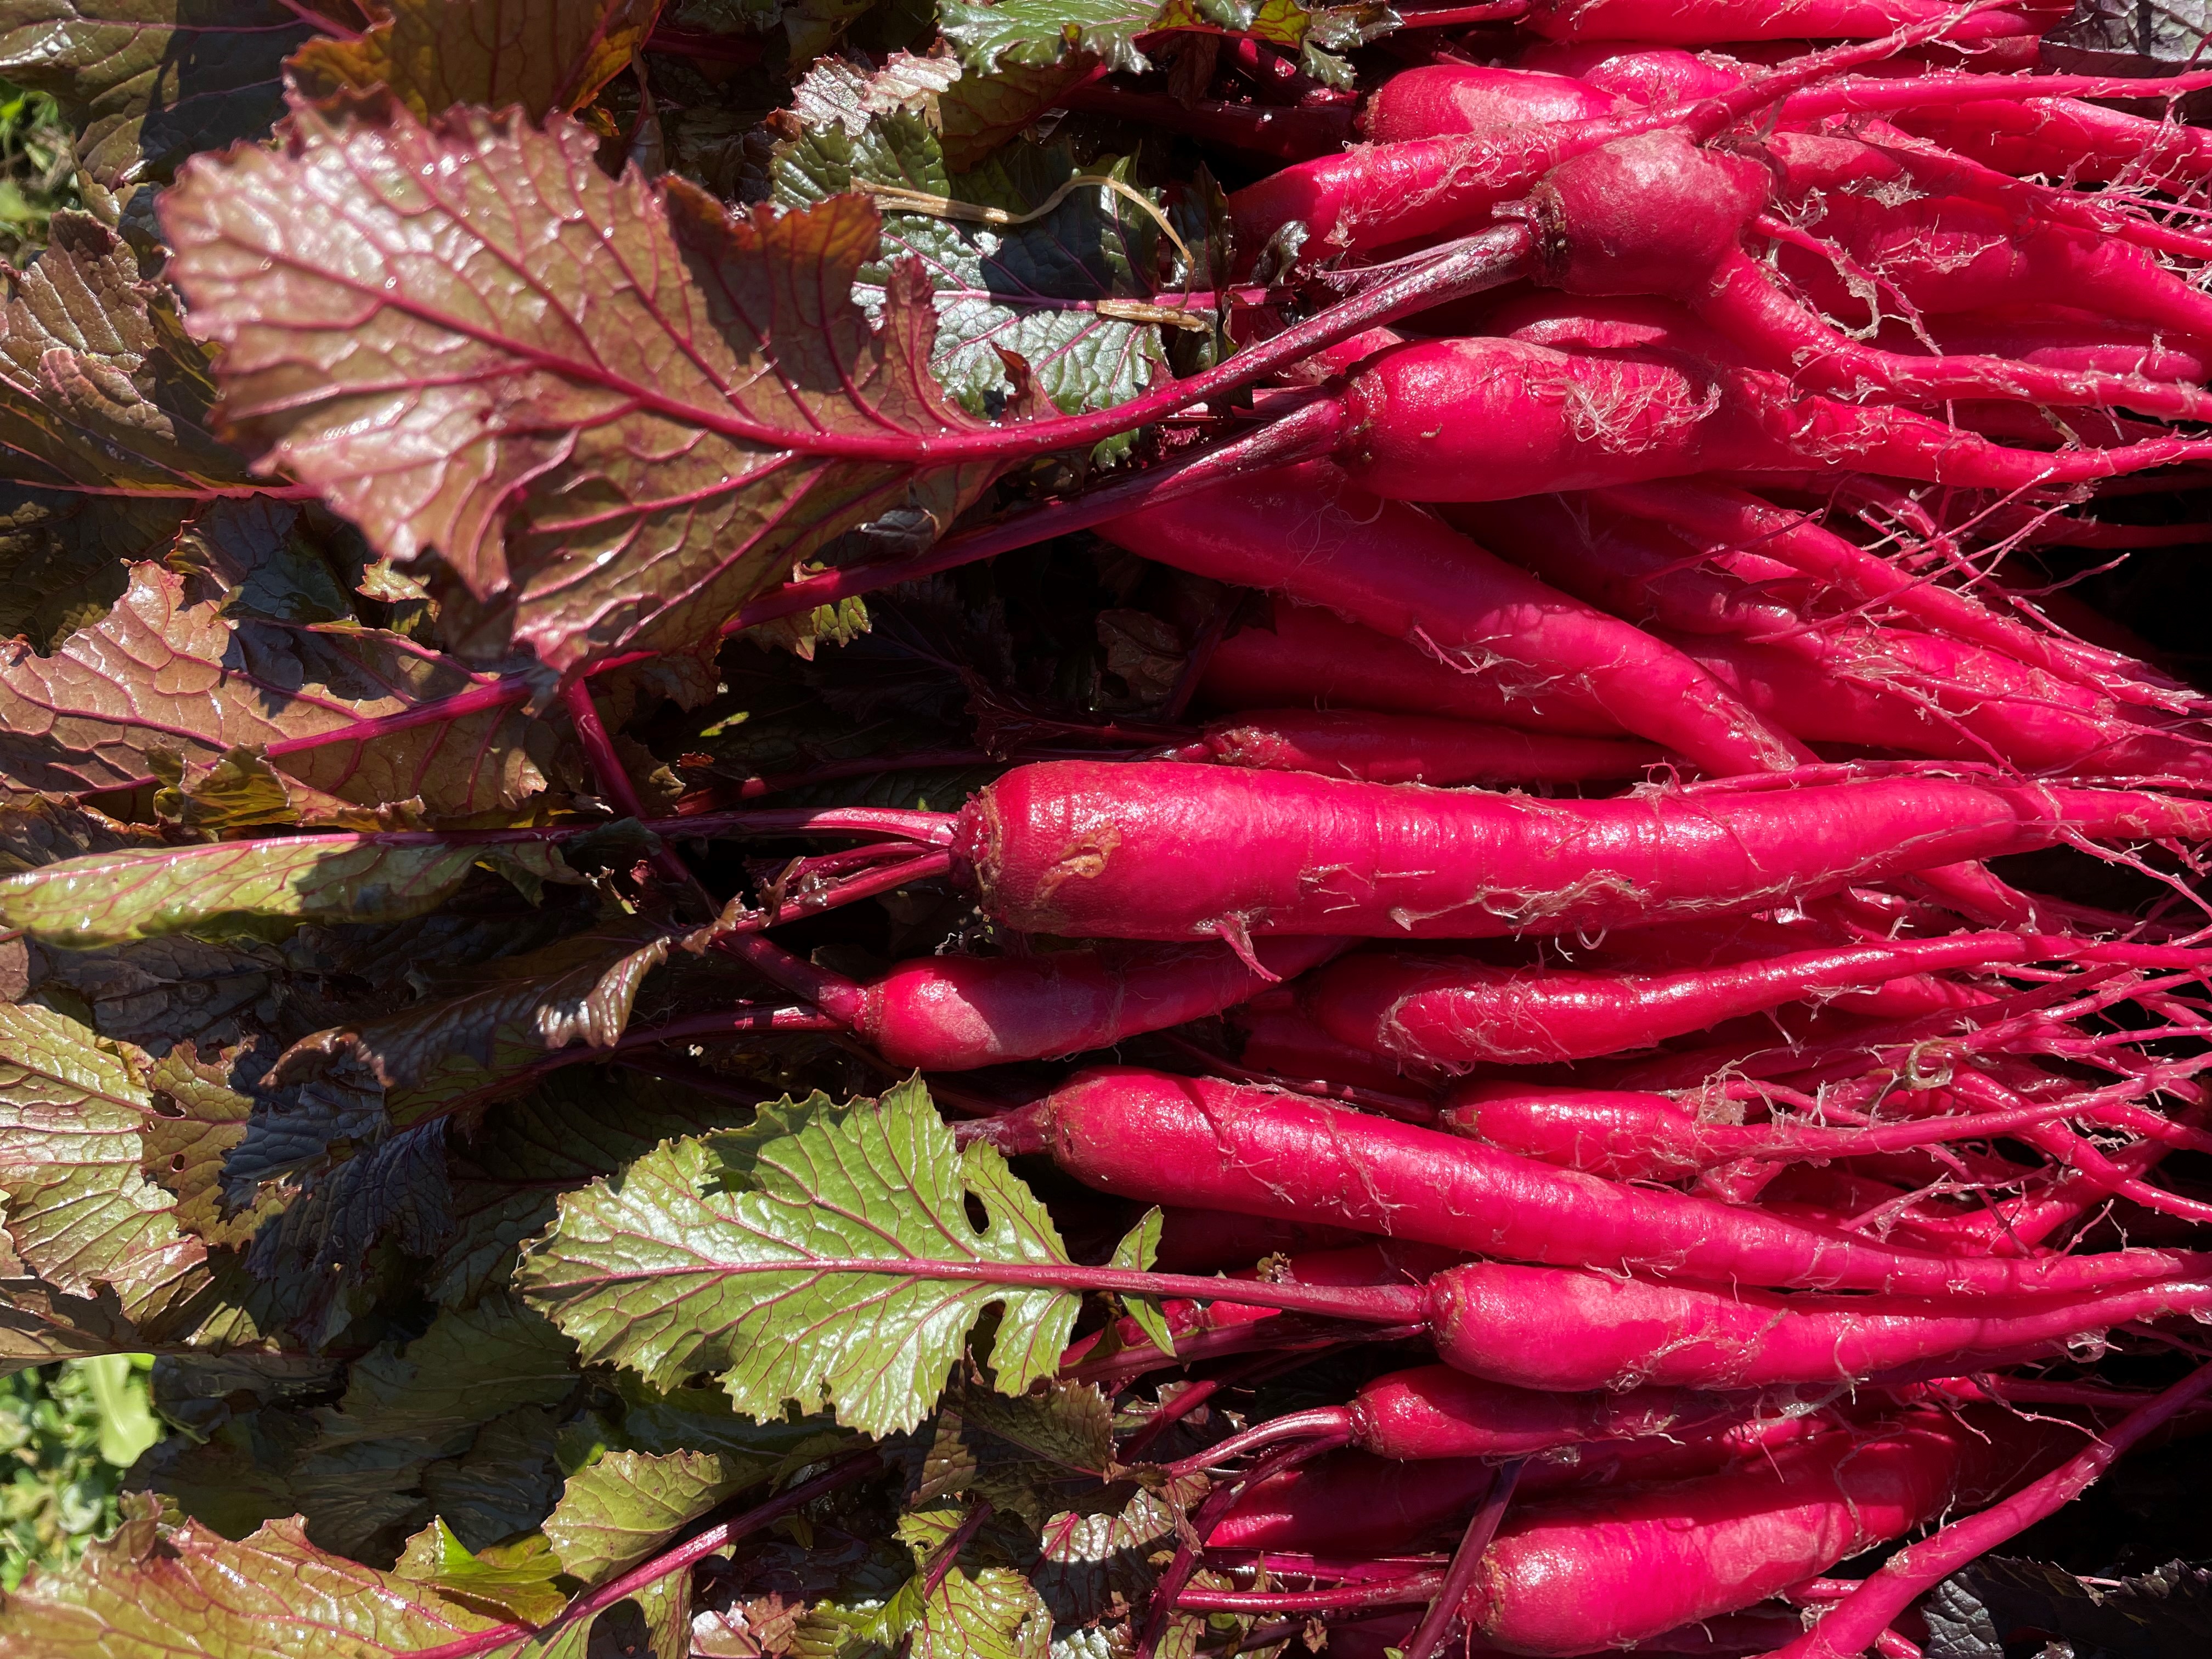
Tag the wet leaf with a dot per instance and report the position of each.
(108, 898)
(436, 53)
(336, 717)
(655, 409)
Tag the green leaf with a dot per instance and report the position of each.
(616, 1513)
(705, 406)
(812, 1283)
(196, 1120)
(127, 1428)
(1024, 1456)
(1034, 289)
(1138, 1249)
(110, 898)
(1034, 33)
(514, 1011)
(471, 1365)
(161, 684)
(994, 1614)
(273, 1595)
(570, 1129)
(544, 55)
(149, 82)
(507, 1581)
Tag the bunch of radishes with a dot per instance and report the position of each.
(1761, 1165)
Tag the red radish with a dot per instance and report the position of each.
(2068, 138)
(1490, 419)
(1310, 655)
(1859, 1620)
(1284, 1041)
(1353, 1501)
(1956, 255)
(955, 1014)
(1452, 1011)
(1301, 531)
(1161, 851)
(1702, 23)
(1568, 1328)
(1435, 1412)
(1191, 1140)
(1430, 101)
(1639, 571)
(1919, 694)
(1577, 1574)
(1409, 749)
(1637, 1135)
(1715, 516)
(1356, 1502)
(1379, 194)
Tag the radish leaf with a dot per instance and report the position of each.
(801, 1271)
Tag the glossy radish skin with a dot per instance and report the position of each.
(955, 1014)
(1157, 850)
(1165, 1139)
(1554, 1328)
(1301, 531)
(1309, 655)
(1573, 1575)
(1412, 749)
(1453, 1011)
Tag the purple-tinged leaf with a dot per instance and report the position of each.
(351, 716)
(149, 81)
(546, 55)
(100, 387)
(79, 1214)
(578, 991)
(36, 830)
(610, 405)
(197, 1118)
(272, 1596)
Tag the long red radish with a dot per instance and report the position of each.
(1478, 420)
(1920, 694)
(1703, 22)
(1309, 655)
(955, 1014)
(1166, 852)
(1717, 516)
(1637, 1135)
(1574, 1575)
(1409, 749)
(1303, 532)
(1192, 1140)
(1568, 1328)
(1357, 1501)
(1435, 1412)
(1445, 1010)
